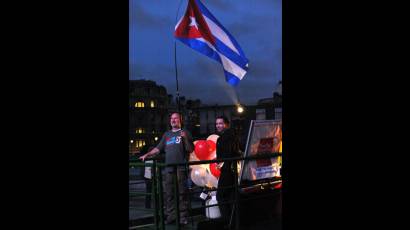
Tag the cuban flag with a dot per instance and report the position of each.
(200, 30)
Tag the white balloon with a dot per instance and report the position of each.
(192, 157)
(211, 180)
(198, 175)
(213, 155)
(213, 137)
(204, 166)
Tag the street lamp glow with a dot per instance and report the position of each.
(132, 141)
(156, 138)
(240, 109)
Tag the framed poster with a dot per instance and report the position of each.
(264, 137)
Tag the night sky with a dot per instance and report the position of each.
(255, 24)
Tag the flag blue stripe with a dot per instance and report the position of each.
(203, 48)
(221, 47)
(231, 79)
(208, 14)
(231, 55)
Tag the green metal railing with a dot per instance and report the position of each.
(158, 192)
(135, 163)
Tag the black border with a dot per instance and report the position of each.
(71, 94)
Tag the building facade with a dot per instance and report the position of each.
(150, 106)
(277, 101)
(148, 113)
(270, 108)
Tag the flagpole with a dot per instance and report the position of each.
(176, 75)
(175, 61)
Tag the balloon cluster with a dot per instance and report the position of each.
(205, 175)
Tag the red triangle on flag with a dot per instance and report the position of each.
(193, 24)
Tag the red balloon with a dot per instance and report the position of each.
(216, 172)
(202, 150)
(211, 145)
(278, 186)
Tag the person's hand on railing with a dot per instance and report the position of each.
(149, 154)
(142, 158)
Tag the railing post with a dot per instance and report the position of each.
(189, 208)
(236, 194)
(176, 196)
(154, 193)
(160, 198)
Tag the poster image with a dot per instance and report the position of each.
(265, 137)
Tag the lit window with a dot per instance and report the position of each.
(140, 130)
(140, 143)
(152, 104)
(139, 104)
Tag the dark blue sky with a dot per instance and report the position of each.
(256, 25)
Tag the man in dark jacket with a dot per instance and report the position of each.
(227, 146)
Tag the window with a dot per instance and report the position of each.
(140, 143)
(152, 104)
(140, 130)
(139, 104)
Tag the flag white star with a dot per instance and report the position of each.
(193, 22)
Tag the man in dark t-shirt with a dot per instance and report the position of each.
(177, 144)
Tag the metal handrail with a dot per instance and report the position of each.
(158, 190)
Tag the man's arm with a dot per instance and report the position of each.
(154, 151)
(187, 139)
